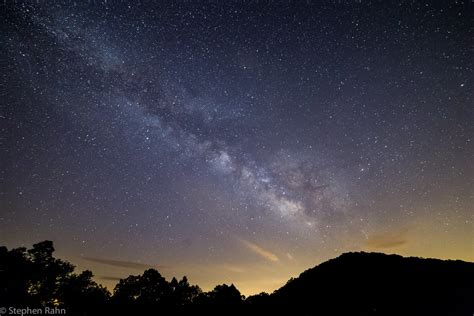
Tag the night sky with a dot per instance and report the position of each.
(241, 142)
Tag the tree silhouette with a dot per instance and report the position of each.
(15, 277)
(151, 291)
(48, 273)
(183, 293)
(222, 300)
(226, 295)
(148, 289)
(354, 283)
(33, 278)
(81, 293)
(261, 299)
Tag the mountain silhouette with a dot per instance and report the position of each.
(351, 284)
(377, 284)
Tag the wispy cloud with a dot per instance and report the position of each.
(386, 240)
(260, 251)
(233, 268)
(110, 278)
(124, 264)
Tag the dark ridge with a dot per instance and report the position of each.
(355, 283)
(374, 283)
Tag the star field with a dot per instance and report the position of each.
(239, 142)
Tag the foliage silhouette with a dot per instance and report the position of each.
(34, 278)
(353, 283)
(375, 283)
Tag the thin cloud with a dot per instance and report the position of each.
(260, 251)
(386, 240)
(110, 278)
(123, 264)
(232, 268)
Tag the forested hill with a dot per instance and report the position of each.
(351, 284)
(374, 283)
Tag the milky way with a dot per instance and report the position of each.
(237, 142)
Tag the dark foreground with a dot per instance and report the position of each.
(34, 282)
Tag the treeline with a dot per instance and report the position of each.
(34, 278)
(351, 284)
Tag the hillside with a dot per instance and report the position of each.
(351, 284)
(373, 283)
